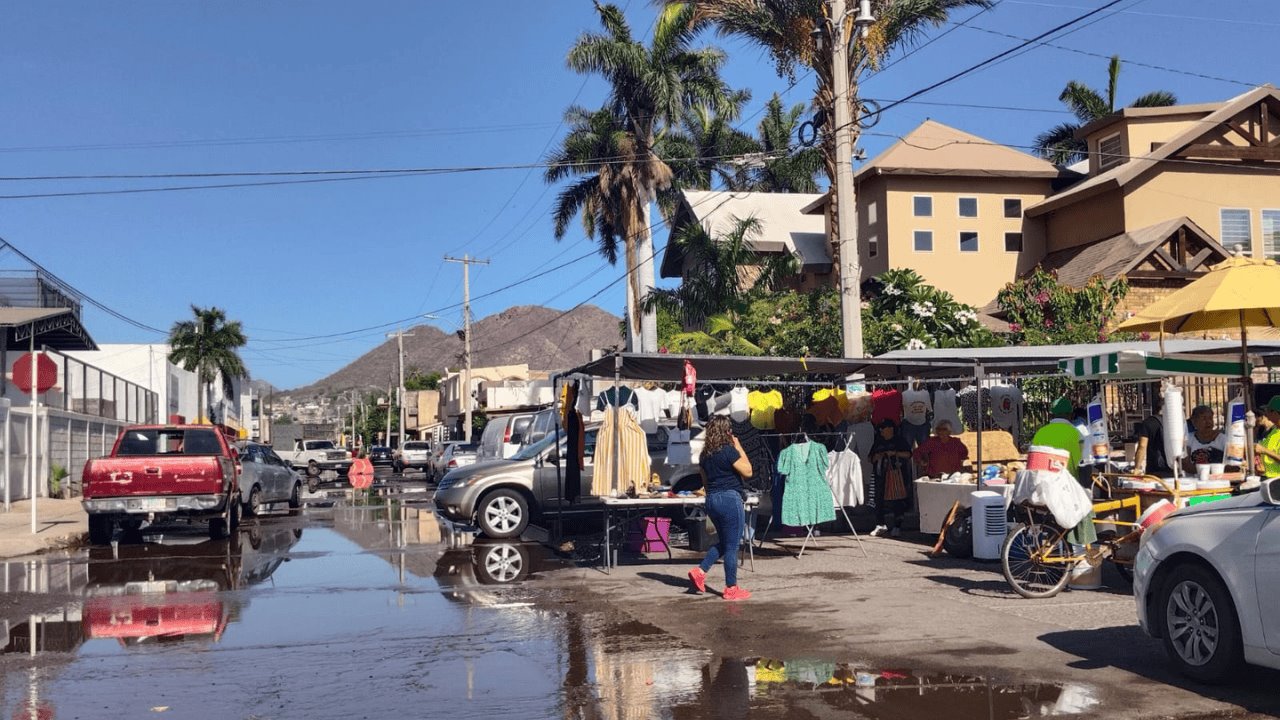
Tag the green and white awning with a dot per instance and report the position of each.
(1134, 364)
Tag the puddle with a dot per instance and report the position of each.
(370, 610)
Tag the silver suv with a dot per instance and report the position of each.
(501, 496)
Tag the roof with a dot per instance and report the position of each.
(1119, 254)
(665, 367)
(783, 225)
(57, 328)
(1144, 112)
(937, 149)
(1136, 167)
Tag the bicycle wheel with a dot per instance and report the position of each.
(1023, 560)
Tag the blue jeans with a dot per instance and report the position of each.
(726, 513)
(914, 434)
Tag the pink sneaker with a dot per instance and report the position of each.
(699, 579)
(736, 593)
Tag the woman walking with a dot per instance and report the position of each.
(724, 464)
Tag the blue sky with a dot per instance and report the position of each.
(164, 87)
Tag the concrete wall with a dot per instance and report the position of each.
(64, 438)
(973, 277)
(1138, 134)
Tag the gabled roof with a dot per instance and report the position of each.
(1137, 167)
(1093, 126)
(783, 225)
(1120, 254)
(937, 149)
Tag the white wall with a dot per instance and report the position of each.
(149, 366)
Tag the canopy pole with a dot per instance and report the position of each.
(35, 430)
(555, 422)
(1250, 419)
(979, 375)
(617, 425)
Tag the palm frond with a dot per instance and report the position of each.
(1155, 98)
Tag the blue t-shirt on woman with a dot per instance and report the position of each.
(719, 469)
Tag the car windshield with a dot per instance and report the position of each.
(529, 452)
(319, 444)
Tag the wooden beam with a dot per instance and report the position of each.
(1242, 132)
(1161, 275)
(1164, 255)
(1199, 258)
(1223, 152)
(1264, 129)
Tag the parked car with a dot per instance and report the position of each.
(1206, 582)
(316, 456)
(160, 472)
(266, 479)
(503, 436)
(438, 459)
(414, 455)
(381, 455)
(457, 455)
(501, 497)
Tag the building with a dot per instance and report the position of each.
(493, 390)
(1165, 194)
(422, 414)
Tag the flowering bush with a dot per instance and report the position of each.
(1042, 311)
(903, 311)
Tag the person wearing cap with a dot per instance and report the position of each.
(1268, 449)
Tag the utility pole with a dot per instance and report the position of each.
(399, 335)
(466, 261)
(846, 204)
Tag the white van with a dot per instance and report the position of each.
(503, 435)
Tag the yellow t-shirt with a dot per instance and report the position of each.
(1271, 468)
(763, 405)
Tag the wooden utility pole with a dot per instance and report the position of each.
(466, 261)
(399, 335)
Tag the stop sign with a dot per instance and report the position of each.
(361, 473)
(46, 372)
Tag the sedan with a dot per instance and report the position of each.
(1206, 582)
(380, 455)
(266, 479)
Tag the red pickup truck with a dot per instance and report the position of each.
(162, 472)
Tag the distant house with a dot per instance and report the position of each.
(1164, 195)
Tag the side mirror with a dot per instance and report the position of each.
(552, 457)
(1271, 491)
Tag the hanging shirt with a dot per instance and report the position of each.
(785, 421)
(609, 398)
(807, 500)
(650, 407)
(675, 400)
(739, 407)
(753, 444)
(975, 415)
(916, 406)
(826, 411)
(763, 405)
(841, 398)
(1006, 406)
(844, 476)
(886, 405)
(944, 408)
(859, 407)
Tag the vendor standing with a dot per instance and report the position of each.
(1268, 449)
(1205, 443)
(1060, 433)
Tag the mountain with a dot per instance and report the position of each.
(546, 339)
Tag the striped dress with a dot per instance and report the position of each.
(634, 460)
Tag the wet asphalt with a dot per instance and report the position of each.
(366, 607)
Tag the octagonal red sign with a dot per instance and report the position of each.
(46, 372)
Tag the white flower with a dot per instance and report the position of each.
(891, 289)
(775, 320)
(915, 344)
(964, 317)
(896, 327)
(924, 309)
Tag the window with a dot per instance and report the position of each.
(968, 207)
(1271, 233)
(1013, 208)
(1013, 242)
(873, 246)
(924, 241)
(968, 242)
(872, 214)
(1235, 229)
(1110, 152)
(923, 206)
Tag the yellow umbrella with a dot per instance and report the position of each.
(1237, 293)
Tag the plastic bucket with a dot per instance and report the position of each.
(652, 535)
(1155, 514)
(1041, 457)
(1085, 576)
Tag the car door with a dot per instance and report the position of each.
(1267, 569)
(282, 475)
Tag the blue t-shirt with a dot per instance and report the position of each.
(719, 469)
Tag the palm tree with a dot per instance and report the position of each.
(725, 274)
(702, 150)
(784, 171)
(785, 29)
(591, 152)
(1059, 144)
(208, 346)
(649, 89)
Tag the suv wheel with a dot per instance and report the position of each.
(1200, 629)
(503, 514)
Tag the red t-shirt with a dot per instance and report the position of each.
(941, 457)
(886, 405)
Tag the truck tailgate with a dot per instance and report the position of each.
(155, 475)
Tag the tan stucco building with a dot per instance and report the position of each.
(1165, 194)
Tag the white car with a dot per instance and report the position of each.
(1207, 582)
(413, 455)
